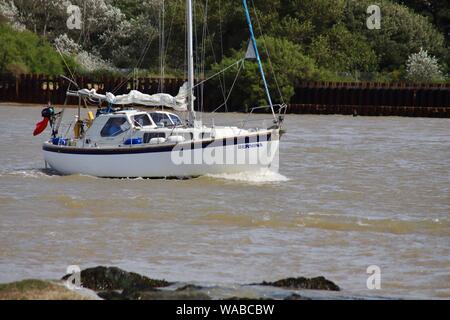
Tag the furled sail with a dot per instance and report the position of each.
(178, 103)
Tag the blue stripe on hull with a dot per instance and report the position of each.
(158, 148)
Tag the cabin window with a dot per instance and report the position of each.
(188, 136)
(161, 119)
(206, 135)
(150, 135)
(175, 119)
(114, 127)
(141, 120)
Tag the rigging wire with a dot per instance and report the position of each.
(140, 60)
(222, 88)
(169, 36)
(200, 58)
(203, 59)
(161, 46)
(242, 61)
(221, 47)
(267, 52)
(83, 29)
(200, 54)
(138, 64)
(196, 57)
(218, 73)
(170, 32)
(65, 62)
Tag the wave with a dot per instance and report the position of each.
(30, 172)
(38, 173)
(261, 176)
(433, 226)
(255, 177)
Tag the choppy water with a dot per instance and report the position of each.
(351, 192)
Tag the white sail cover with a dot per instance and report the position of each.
(178, 103)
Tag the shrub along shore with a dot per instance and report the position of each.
(299, 40)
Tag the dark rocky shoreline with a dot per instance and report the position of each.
(112, 283)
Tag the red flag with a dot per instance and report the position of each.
(40, 126)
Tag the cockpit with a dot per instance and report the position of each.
(165, 119)
(141, 120)
(114, 127)
(144, 125)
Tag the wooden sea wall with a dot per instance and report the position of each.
(35, 88)
(352, 98)
(372, 99)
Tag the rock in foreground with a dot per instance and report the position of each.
(112, 283)
(317, 283)
(113, 278)
(167, 295)
(188, 292)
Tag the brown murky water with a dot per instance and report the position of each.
(351, 192)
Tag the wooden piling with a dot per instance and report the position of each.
(363, 98)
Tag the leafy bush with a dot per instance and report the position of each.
(116, 33)
(402, 31)
(323, 14)
(422, 67)
(24, 51)
(85, 61)
(9, 14)
(289, 65)
(343, 51)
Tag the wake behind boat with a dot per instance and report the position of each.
(120, 141)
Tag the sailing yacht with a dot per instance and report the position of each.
(123, 142)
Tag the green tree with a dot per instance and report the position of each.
(24, 51)
(340, 50)
(402, 32)
(438, 11)
(288, 65)
(323, 14)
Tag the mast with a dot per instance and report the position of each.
(258, 59)
(161, 46)
(190, 59)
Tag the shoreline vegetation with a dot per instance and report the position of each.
(34, 289)
(112, 283)
(308, 40)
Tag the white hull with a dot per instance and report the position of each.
(237, 157)
(122, 142)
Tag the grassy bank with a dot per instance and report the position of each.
(32, 289)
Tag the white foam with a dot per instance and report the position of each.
(29, 173)
(260, 176)
(362, 224)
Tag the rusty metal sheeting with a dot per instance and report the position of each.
(353, 98)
